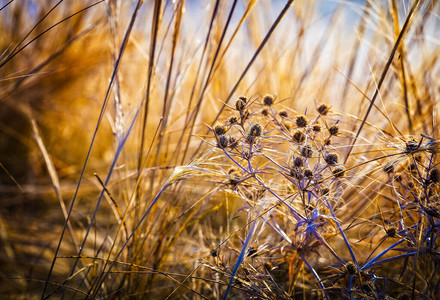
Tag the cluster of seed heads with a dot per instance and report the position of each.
(311, 168)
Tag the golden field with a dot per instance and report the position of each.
(219, 149)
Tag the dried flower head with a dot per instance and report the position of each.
(252, 251)
(297, 173)
(299, 137)
(256, 130)
(250, 139)
(334, 130)
(331, 159)
(308, 173)
(232, 120)
(268, 100)
(233, 143)
(306, 151)
(298, 162)
(323, 109)
(219, 130)
(339, 172)
(316, 128)
(434, 175)
(351, 268)
(411, 146)
(214, 253)
(222, 142)
(301, 121)
(390, 230)
(240, 104)
(283, 114)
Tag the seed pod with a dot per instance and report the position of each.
(339, 172)
(233, 143)
(306, 151)
(299, 137)
(316, 128)
(323, 109)
(434, 175)
(214, 253)
(296, 173)
(301, 121)
(255, 130)
(390, 230)
(331, 159)
(351, 268)
(222, 142)
(334, 130)
(250, 139)
(268, 100)
(252, 251)
(240, 104)
(308, 173)
(219, 130)
(283, 114)
(411, 146)
(298, 162)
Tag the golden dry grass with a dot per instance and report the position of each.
(116, 180)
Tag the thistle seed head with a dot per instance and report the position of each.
(219, 130)
(334, 130)
(268, 100)
(299, 137)
(240, 104)
(233, 143)
(411, 146)
(351, 268)
(306, 151)
(222, 142)
(331, 159)
(434, 175)
(283, 114)
(390, 230)
(256, 130)
(339, 172)
(316, 128)
(301, 121)
(298, 162)
(323, 109)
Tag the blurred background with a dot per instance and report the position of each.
(177, 63)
